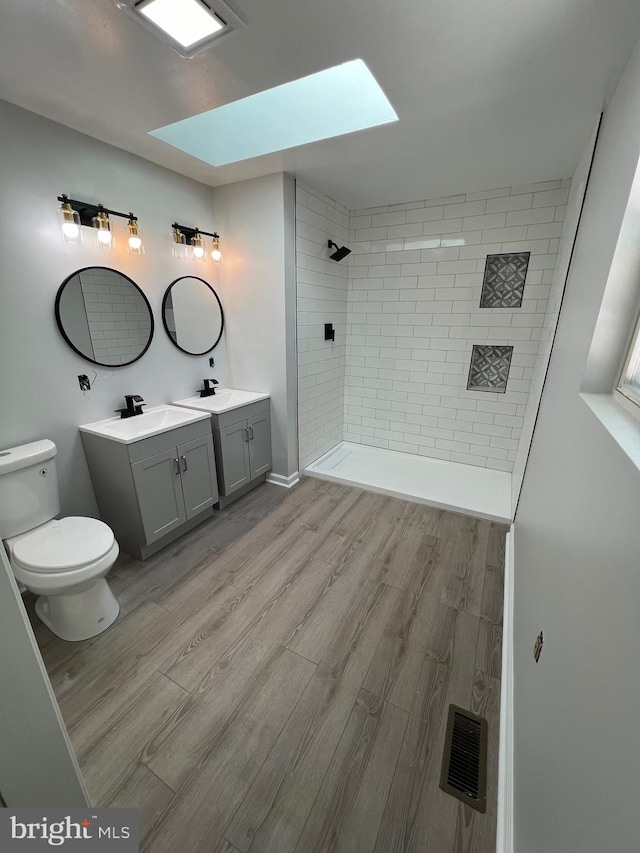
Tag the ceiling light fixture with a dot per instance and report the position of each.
(184, 236)
(73, 214)
(187, 26)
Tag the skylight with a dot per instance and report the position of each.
(338, 100)
(186, 21)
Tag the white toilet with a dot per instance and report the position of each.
(63, 560)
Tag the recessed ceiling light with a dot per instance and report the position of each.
(187, 26)
(186, 21)
(332, 102)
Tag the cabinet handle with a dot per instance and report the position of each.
(177, 464)
(251, 431)
(246, 434)
(184, 463)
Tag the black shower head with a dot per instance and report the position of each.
(340, 252)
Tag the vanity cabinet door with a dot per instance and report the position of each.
(234, 452)
(259, 444)
(159, 493)
(198, 471)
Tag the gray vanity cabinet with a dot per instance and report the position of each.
(174, 486)
(242, 439)
(153, 490)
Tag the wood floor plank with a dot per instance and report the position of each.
(109, 758)
(311, 638)
(241, 746)
(96, 670)
(493, 591)
(274, 812)
(489, 651)
(142, 790)
(407, 538)
(464, 590)
(348, 809)
(265, 581)
(181, 743)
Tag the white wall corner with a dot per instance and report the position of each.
(504, 841)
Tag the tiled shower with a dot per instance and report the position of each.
(439, 314)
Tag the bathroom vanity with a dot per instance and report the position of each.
(241, 428)
(154, 475)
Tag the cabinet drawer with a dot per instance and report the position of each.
(242, 413)
(148, 447)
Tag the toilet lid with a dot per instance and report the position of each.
(64, 543)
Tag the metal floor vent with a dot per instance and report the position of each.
(464, 764)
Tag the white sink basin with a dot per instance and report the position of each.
(151, 422)
(223, 400)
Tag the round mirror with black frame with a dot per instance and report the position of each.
(104, 316)
(192, 315)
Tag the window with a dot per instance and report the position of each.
(629, 384)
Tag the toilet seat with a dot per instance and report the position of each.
(62, 545)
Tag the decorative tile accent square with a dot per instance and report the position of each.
(504, 277)
(489, 369)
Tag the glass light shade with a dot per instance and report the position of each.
(69, 224)
(179, 245)
(135, 237)
(216, 254)
(197, 250)
(103, 227)
(186, 21)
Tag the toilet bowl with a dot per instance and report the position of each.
(63, 560)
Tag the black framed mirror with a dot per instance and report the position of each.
(104, 316)
(192, 315)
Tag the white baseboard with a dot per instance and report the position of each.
(281, 480)
(504, 843)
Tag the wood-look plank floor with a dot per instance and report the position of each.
(279, 679)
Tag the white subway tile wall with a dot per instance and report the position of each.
(322, 298)
(413, 315)
(118, 317)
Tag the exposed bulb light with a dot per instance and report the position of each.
(216, 254)
(135, 236)
(198, 247)
(101, 222)
(69, 223)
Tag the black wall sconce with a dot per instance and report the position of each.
(329, 332)
(340, 252)
(74, 213)
(184, 237)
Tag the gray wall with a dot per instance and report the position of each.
(38, 380)
(577, 563)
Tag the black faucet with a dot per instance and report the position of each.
(209, 389)
(131, 407)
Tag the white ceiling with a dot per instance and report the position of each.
(489, 93)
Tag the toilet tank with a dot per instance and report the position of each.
(28, 487)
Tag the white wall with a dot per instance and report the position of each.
(414, 314)
(258, 291)
(321, 298)
(577, 547)
(39, 390)
(572, 215)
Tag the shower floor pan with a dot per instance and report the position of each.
(480, 492)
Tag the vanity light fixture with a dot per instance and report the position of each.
(184, 236)
(74, 213)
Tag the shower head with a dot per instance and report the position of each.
(340, 252)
